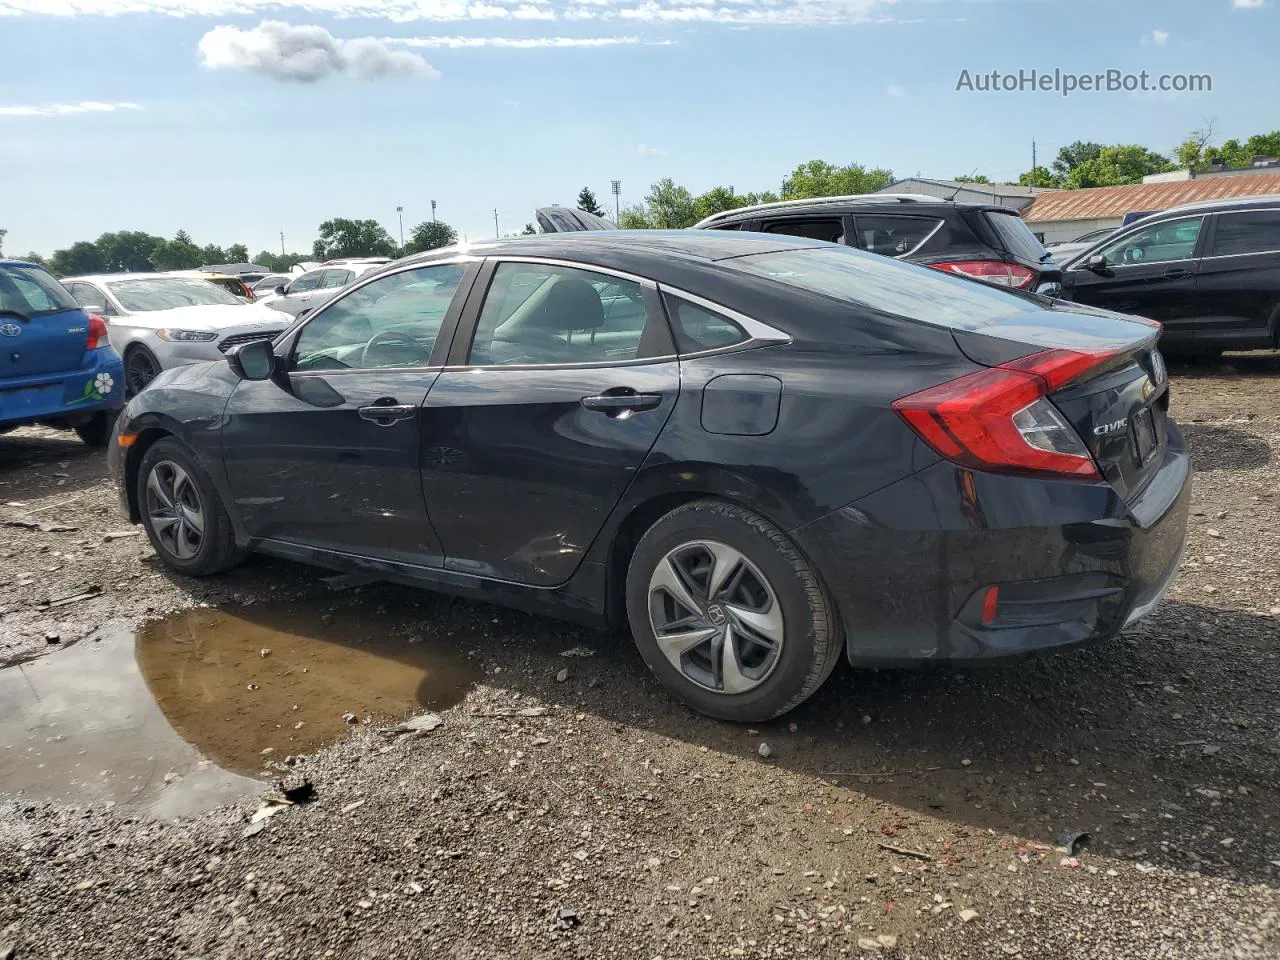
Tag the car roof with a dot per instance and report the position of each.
(100, 277)
(14, 262)
(904, 201)
(1212, 206)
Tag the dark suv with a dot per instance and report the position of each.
(1210, 272)
(976, 240)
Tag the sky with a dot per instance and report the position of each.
(239, 120)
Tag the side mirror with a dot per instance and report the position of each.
(279, 291)
(302, 313)
(1097, 263)
(255, 360)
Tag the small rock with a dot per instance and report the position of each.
(52, 638)
(793, 727)
(254, 829)
(578, 652)
(252, 686)
(887, 940)
(967, 915)
(1214, 533)
(415, 726)
(562, 676)
(350, 718)
(966, 762)
(1210, 589)
(567, 919)
(869, 945)
(264, 652)
(1209, 749)
(866, 719)
(1275, 611)
(765, 750)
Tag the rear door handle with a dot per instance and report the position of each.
(615, 403)
(385, 415)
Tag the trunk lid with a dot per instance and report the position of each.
(42, 329)
(1119, 406)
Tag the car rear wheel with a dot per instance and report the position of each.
(140, 368)
(728, 614)
(182, 513)
(96, 431)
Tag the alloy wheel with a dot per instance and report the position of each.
(175, 510)
(139, 370)
(715, 617)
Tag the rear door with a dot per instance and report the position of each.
(560, 379)
(1150, 271)
(42, 328)
(1237, 294)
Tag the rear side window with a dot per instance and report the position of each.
(1016, 237)
(901, 289)
(830, 229)
(33, 292)
(895, 236)
(335, 278)
(1253, 231)
(697, 329)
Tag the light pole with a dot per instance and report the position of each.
(400, 214)
(495, 223)
(617, 200)
(433, 211)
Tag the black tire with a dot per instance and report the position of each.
(216, 550)
(810, 645)
(97, 431)
(140, 368)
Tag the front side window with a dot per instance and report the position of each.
(391, 322)
(830, 229)
(1160, 243)
(539, 314)
(166, 293)
(894, 236)
(1253, 231)
(306, 282)
(33, 292)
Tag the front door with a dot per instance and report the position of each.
(326, 454)
(1150, 272)
(560, 381)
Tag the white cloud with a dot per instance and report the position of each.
(1158, 38)
(647, 151)
(67, 109)
(895, 91)
(762, 12)
(305, 54)
(1248, 4)
(521, 43)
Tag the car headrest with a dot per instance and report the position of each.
(572, 304)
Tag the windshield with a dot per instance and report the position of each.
(1016, 237)
(32, 292)
(892, 286)
(166, 293)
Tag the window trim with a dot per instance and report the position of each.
(758, 334)
(1217, 219)
(859, 217)
(288, 340)
(463, 336)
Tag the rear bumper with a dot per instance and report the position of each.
(911, 568)
(67, 397)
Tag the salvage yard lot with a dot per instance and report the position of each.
(900, 814)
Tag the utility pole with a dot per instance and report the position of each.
(1033, 166)
(282, 243)
(495, 223)
(433, 211)
(400, 214)
(617, 195)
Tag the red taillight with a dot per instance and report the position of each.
(97, 338)
(993, 271)
(990, 605)
(1001, 419)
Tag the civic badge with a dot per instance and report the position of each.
(10, 329)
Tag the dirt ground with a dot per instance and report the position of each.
(899, 814)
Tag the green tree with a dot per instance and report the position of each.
(80, 258)
(341, 237)
(717, 200)
(180, 253)
(817, 178)
(430, 235)
(670, 207)
(634, 218)
(971, 178)
(587, 202)
(237, 253)
(1074, 155)
(529, 230)
(212, 253)
(33, 257)
(1040, 177)
(1118, 165)
(128, 251)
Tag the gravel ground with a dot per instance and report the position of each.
(899, 814)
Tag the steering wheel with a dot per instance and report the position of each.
(1134, 255)
(422, 355)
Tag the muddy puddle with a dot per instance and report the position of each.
(187, 712)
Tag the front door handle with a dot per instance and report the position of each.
(1177, 273)
(616, 404)
(384, 415)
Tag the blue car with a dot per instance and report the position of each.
(57, 366)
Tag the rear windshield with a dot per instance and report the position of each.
(32, 292)
(892, 286)
(1016, 237)
(165, 293)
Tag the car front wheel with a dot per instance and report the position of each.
(182, 512)
(728, 614)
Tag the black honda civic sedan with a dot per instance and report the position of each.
(757, 452)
